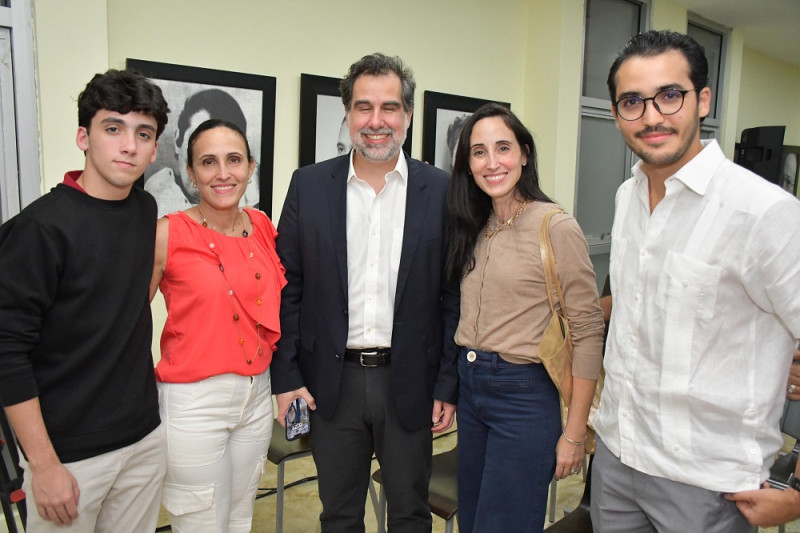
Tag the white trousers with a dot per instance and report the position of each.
(218, 433)
(120, 490)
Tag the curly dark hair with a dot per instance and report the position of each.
(122, 91)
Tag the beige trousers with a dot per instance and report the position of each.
(120, 490)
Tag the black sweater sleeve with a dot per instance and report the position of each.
(29, 272)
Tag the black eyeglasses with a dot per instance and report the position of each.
(666, 102)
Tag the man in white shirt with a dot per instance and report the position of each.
(367, 322)
(705, 277)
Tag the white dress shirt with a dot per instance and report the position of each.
(374, 241)
(706, 306)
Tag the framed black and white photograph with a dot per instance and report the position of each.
(443, 118)
(790, 169)
(194, 95)
(323, 131)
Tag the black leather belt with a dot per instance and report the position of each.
(368, 357)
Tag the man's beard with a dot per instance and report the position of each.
(664, 159)
(380, 154)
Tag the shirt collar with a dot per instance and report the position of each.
(400, 168)
(71, 179)
(697, 173)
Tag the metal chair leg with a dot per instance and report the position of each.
(585, 466)
(373, 496)
(279, 503)
(382, 511)
(11, 521)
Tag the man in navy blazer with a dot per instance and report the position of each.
(367, 319)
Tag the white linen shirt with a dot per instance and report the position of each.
(706, 306)
(374, 241)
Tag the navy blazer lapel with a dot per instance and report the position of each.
(337, 216)
(416, 208)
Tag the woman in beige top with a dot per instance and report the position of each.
(509, 424)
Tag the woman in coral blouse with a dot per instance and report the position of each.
(221, 279)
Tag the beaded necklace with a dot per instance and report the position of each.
(251, 257)
(222, 230)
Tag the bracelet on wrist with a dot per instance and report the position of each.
(575, 442)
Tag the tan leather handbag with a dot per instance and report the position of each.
(555, 349)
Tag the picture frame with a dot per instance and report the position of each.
(323, 133)
(790, 169)
(195, 94)
(442, 119)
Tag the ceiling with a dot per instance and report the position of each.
(771, 27)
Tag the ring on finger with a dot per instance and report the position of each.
(792, 389)
(576, 471)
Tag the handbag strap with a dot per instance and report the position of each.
(549, 265)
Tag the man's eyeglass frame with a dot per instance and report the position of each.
(682, 92)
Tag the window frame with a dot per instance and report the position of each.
(18, 18)
(601, 108)
(712, 126)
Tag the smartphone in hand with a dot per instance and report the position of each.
(297, 421)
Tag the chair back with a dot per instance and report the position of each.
(785, 465)
(579, 520)
(790, 422)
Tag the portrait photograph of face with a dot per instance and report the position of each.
(449, 124)
(191, 104)
(444, 116)
(789, 173)
(333, 136)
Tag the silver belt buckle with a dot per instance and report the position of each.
(361, 359)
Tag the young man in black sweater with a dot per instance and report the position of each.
(76, 372)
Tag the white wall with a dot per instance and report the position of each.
(71, 46)
(770, 95)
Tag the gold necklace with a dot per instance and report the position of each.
(238, 216)
(504, 224)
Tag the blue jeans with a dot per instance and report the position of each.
(508, 425)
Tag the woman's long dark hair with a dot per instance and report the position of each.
(468, 207)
